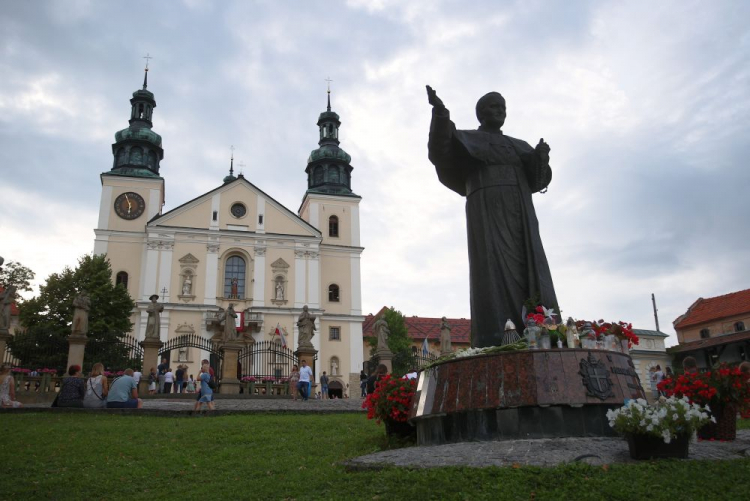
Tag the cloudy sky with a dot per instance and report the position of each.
(645, 105)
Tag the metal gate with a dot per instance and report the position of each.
(215, 358)
(267, 360)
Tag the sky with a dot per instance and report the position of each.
(645, 105)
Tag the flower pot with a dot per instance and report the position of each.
(652, 447)
(625, 343)
(725, 427)
(610, 343)
(400, 429)
(544, 342)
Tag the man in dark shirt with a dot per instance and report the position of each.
(162, 370)
(180, 376)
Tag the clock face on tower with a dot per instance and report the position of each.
(129, 205)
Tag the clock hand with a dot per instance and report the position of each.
(129, 204)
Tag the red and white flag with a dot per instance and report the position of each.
(280, 332)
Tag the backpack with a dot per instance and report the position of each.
(212, 383)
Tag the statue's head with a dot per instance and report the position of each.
(154, 297)
(491, 110)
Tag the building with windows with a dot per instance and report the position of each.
(235, 244)
(715, 330)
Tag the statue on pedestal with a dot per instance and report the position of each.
(382, 332)
(187, 286)
(230, 325)
(81, 307)
(279, 291)
(445, 337)
(153, 325)
(497, 174)
(6, 300)
(306, 325)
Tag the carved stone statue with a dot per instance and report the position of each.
(230, 325)
(445, 337)
(497, 174)
(235, 288)
(382, 332)
(306, 325)
(182, 354)
(81, 307)
(214, 325)
(6, 300)
(187, 286)
(153, 325)
(279, 291)
(334, 368)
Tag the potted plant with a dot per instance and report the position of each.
(390, 403)
(724, 389)
(659, 430)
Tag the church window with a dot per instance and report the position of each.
(319, 175)
(334, 333)
(739, 326)
(122, 278)
(333, 174)
(140, 111)
(260, 219)
(238, 210)
(705, 333)
(121, 156)
(333, 293)
(216, 215)
(234, 278)
(151, 159)
(136, 156)
(333, 226)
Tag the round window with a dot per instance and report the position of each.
(238, 210)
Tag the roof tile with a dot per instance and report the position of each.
(714, 308)
(425, 327)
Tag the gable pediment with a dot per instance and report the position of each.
(189, 259)
(279, 264)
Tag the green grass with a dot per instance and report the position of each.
(72, 456)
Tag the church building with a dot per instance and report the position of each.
(235, 244)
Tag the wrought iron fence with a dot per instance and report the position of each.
(195, 341)
(116, 353)
(266, 360)
(37, 351)
(402, 362)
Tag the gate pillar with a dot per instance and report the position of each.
(76, 348)
(151, 349)
(230, 385)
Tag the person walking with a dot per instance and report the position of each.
(180, 376)
(324, 386)
(305, 376)
(363, 384)
(8, 388)
(293, 380)
(207, 394)
(97, 388)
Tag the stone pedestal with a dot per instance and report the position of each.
(385, 357)
(76, 348)
(307, 353)
(151, 349)
(4, 338)
(230, 385)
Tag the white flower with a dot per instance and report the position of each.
(649, 427)
(667, 436)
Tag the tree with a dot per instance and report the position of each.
(399, 342)
(47, 317)
(16, 274)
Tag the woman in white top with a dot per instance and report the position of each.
(168, 380)
(97, 387)
(7, 388)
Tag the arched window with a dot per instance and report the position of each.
(122, 278)
(318, 175)
(739, 326)
(705, 333)
(333, 174)
(140, 111)
(333, 293)
(333, 226)
(234, 278)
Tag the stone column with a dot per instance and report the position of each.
(230, 385)
(151, 349)
(385, 357)
(4, 338)
(76, 348)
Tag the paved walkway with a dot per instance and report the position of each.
(541, 452)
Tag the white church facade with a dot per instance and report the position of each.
(235, 244)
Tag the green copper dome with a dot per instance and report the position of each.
(142, 134)
(329, 152)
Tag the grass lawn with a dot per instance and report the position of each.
(69, 456)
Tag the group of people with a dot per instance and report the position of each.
(163, 379)
(95, 392)
(300, 378)
(657, 376)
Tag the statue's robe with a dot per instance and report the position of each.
(497, 174)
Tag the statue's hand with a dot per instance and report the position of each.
(433, 98)
(542, 149)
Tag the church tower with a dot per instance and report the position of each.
(132, 190)
(330, 205)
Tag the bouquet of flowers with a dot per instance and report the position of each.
(47, 371)
(721, 386)
(248, 379)
(20, 370)
(391, 399)
(667, 418)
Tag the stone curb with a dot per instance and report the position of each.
(173, 413)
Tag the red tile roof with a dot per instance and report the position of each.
(714, 308)
(425, 327)
(13, 306)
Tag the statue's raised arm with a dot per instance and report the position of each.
(433, 98)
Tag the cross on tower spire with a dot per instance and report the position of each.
(328, 79)
(145, 75)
